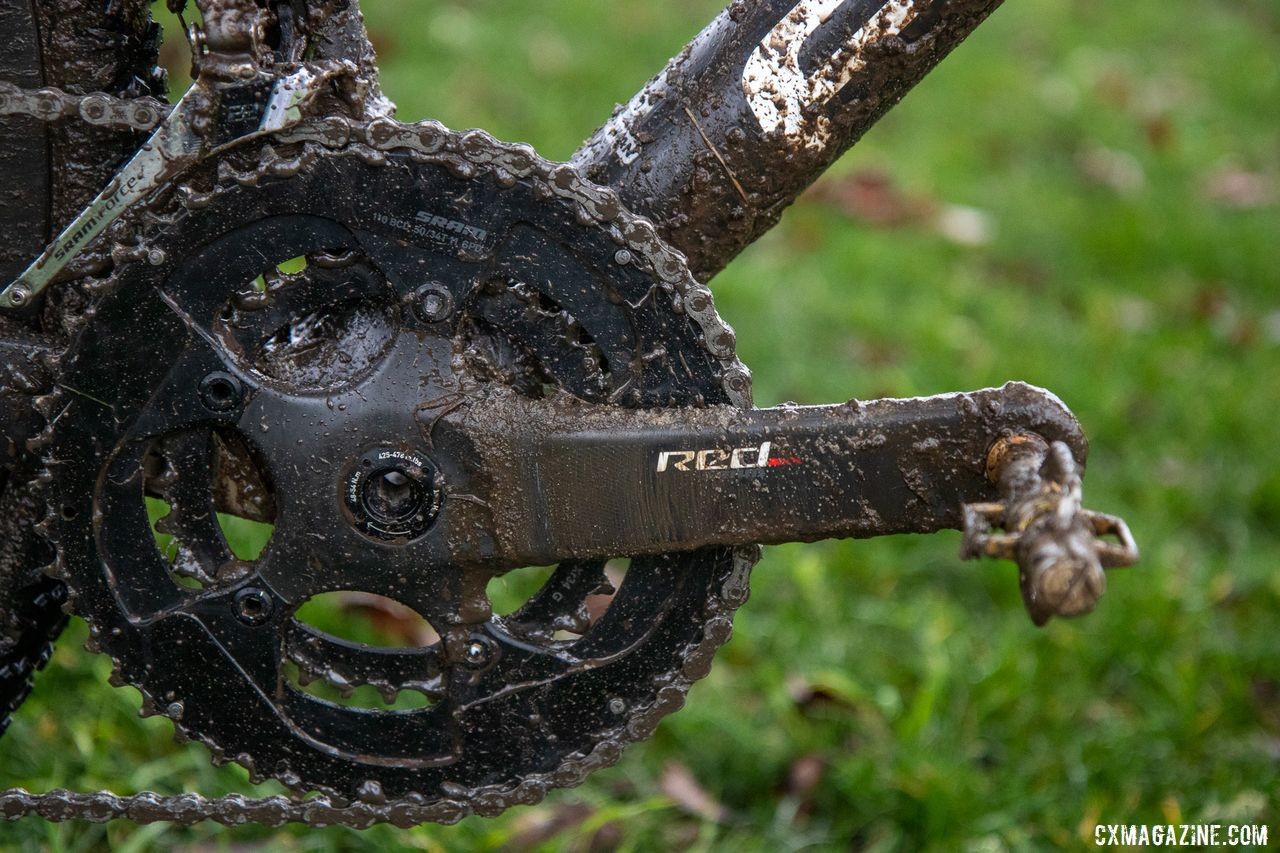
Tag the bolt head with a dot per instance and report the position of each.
(433, 302)
(476, 655)
(221, 392)
(253, 606)
(370, 791)
(393, 495)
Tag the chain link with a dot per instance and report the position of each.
(99, 109)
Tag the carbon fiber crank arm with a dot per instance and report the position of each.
(583, 481)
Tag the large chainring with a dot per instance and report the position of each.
(428, 267)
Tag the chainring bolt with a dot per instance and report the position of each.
(622, 257)
(155, 257)
(371, 792)
(476, 655)
(253, 606)
(221, 392)
(433, 302)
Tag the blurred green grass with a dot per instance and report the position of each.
(1123, 162)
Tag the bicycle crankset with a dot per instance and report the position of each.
(333, 402)
(483, 363)
(428, 359)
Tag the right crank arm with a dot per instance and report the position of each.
(579, 481)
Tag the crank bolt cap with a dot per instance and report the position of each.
(392, 494)
(433, 302)
(221, 392)
(253, 606)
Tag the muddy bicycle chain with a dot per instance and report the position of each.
(98, 109)
(468, 154)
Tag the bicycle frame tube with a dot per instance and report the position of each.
(758, 105)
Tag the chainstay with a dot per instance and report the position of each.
(466, 153)
(99, 108)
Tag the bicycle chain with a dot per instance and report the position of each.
(468, 154)
(42, 620)
(100, 109)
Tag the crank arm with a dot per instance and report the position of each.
(617, 482)
(579, 481)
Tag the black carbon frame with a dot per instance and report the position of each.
(700, 152)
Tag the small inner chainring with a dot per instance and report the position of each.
(318, 319)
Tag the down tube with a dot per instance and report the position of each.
(758, 105)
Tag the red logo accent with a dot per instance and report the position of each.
(777, 461)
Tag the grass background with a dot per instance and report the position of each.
(1084, 197)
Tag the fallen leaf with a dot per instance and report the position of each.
(1159, 131)
(607, 838)
(390, 618)
(1238, 189)
(1116, 170)
(803, 780)
(683, 789)
(1265, 693)
(385, 43)
(965, 226)
(871, 196)
(1211, 301)
(809, 695)
(805, 775)
(539, 825)
(1114, 88)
